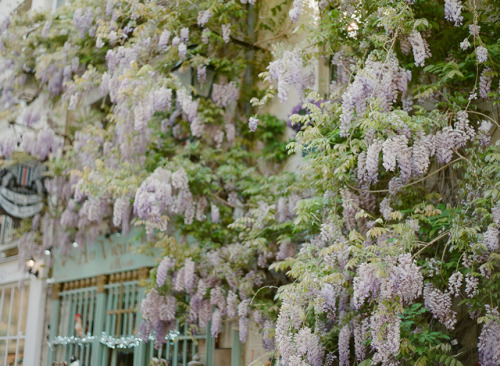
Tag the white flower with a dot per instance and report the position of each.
(253, 124)
(464, 44)
(481, 54)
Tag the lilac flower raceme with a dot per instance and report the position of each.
(403, 280)
(232, 304)
(218, 299)
(82, 20)
(484, 130)
(216, 326)
(214, 213)
(361, 334)
(109, 7)
(46, 142)
(226, 32)
(439, 304)
(485, 82)
(489, 340)
(377, 80)
(372, 159)
(99, 43)
(166, 264)
(474, 29)
(471, 284)
(253, 123)
(385, 335)
(179, 280)
(481, 54)
(422, 150)
(29, 117)
(203, 17)
(308, 345)
(268, 336)
(452, 11)
(4, 24)
(286, 250)
(344, 340)
(201, 73)
(243, 319)
(184, 35)
(490, 238)
(444, 143)
(121, 211)
(225, 94)
(464, 44)
(162, 99)
(187, 105)
(150, 306)
(164, 38)
(495, 211)
(154, 194)
(420, 48)
(351, 206)
(167, 309)
(182, 49)
(455, 283)
(289, 70)
(189, 275)
(296, 10)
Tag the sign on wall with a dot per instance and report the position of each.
(116, 253)
(21, 189)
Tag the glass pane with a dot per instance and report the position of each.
(125, 357)
(25, 309)
(5, 312)
(20, 352)
(11, 357)
(2, 351)
(16, 312)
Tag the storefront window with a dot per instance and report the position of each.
(13, 310)
(88, 328)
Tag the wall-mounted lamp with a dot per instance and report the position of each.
(30, 263)
(75, 244)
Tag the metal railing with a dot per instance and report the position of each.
(182, 347)
(109, 315)
(69, 343)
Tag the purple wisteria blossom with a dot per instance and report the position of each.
(253, 123)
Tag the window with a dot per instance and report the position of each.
(6, 226)
(57, 4)
(13, 312)
(94, 319)
(123, 303)
(88, 314)
(78, 297)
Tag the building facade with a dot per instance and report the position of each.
(22, 293)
